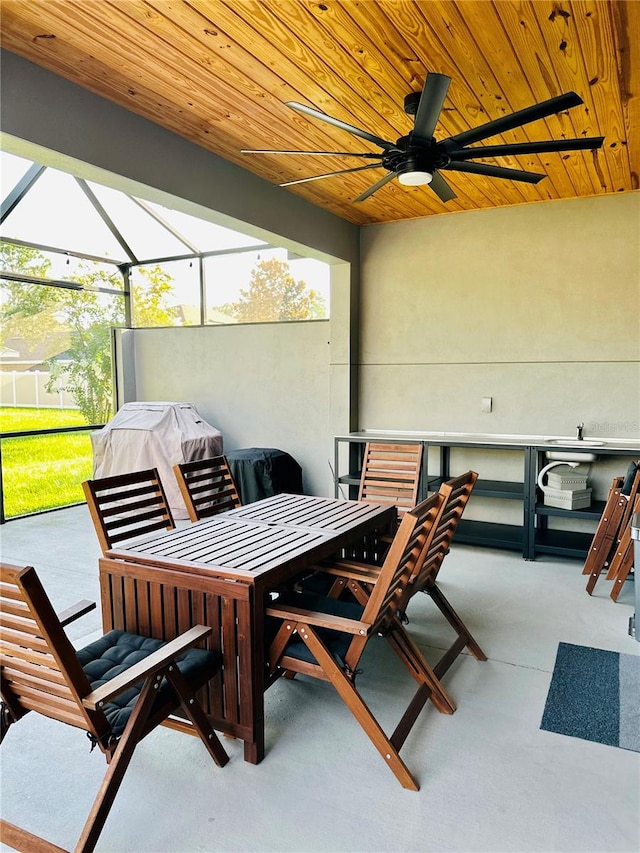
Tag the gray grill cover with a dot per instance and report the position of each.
(154, 435)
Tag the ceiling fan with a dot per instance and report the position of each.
(418, 158)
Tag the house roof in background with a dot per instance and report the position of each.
(218, 73)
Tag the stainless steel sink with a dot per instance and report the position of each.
(581, 453)
(576, 442)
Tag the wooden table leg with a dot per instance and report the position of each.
(254, 751)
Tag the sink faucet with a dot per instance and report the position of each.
(579, 429)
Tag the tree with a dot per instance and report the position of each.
(274, 295)
(29, 311)
(78, 322)
(150, 289)
(22, 259)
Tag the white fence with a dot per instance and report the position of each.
(28, 388)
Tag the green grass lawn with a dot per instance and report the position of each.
(43, 472)
(16, 419)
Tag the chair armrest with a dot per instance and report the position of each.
(147, 667)
(319, 619)
(352, 570)
(76, 611)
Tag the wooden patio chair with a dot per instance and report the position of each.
(455, 494)
(325, 637)
(604, 538)
(117, 689)
(391, 475)
(127, 505)
(611, 527)
(207, 486)
(623, 559)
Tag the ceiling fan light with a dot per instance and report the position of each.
(415, 178)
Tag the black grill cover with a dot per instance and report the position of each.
(260, 472)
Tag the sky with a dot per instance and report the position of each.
(56, 213)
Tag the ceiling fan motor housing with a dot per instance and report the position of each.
(410, 156)
(411, 102)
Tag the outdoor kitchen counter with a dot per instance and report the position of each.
(501, 525)
(541, 442)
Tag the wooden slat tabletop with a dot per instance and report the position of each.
(328, 514)
(227, 547)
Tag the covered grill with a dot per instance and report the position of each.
(154, 435)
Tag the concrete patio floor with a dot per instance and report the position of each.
(491, 779)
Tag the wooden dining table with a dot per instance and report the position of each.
(221, 572)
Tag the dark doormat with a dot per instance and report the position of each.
(595, 695)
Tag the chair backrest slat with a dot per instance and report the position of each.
(32, 669)
(389, 593)
(50, 705)
(140, 530)
(207, 486)
(456, 493)
(40, 669)
(127, 506)
(391, 474)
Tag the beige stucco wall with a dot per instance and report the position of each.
(536, 306)
(261, 385)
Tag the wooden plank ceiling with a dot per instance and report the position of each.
(218, 72)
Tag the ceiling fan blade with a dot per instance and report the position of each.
(517, 119)
(430, 105)
(385, 180)
(317, 153)
(494, 171)
(441, 188)
(301, 108)
(585, 143)
(330, 175)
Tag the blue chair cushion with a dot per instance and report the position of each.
(116, 651)
(337, 642)
(319, 583)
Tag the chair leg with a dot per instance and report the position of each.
(198, 718)
(414, 660)
(620, 552)
(595, 557)
(358, 708)
(455, 621)
(623, 559)
(358, 591)
(430, 686)
(278, 646)
(337, 588)
(624, 565)
(26, 842)
(117, 768)
(6, 720)
(604, 540)
(130, 739)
